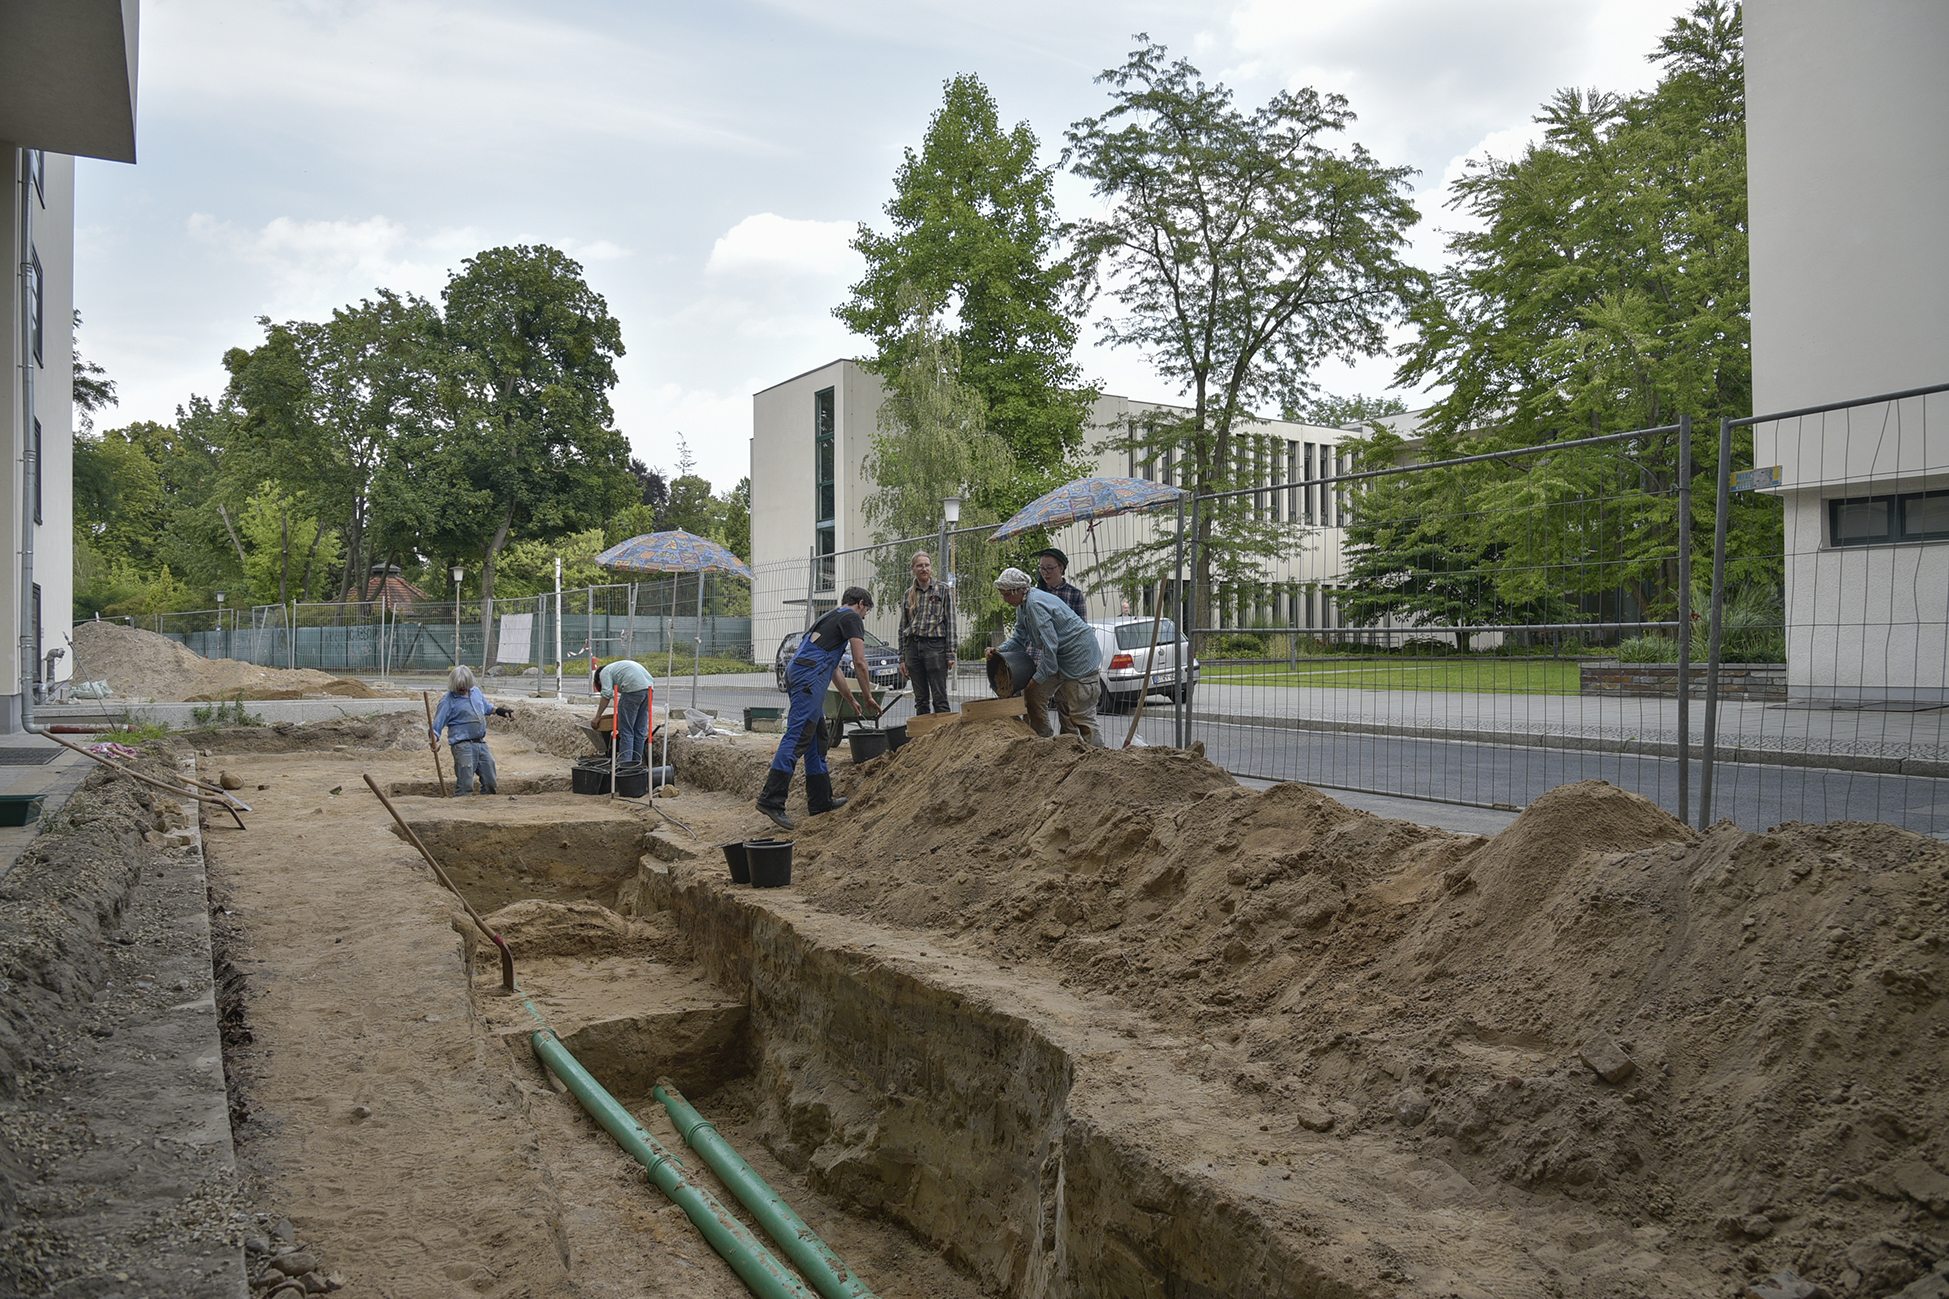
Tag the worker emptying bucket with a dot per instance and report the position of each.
(814, 665)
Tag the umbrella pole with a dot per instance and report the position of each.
(697, 642)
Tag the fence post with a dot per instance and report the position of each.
(1184, 664)
(1714, 637)
(1685, 618)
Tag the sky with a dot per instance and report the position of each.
(706, 164)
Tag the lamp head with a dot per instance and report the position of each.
(951, 509)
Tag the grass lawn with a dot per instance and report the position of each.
(1502, 676)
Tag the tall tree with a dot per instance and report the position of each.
(532, 448)
(1245, 251)
(1606, 290)
(94, 391)
(975, 234)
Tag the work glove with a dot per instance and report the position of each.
(502, 710)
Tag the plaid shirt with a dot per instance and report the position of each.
(1069, 594)
(923, 614)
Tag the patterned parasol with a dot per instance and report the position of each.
(671, 552)
(1088, 499)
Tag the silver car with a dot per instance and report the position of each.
(1127, 670)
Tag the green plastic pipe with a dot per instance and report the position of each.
(754, 1264)
(814, 1258)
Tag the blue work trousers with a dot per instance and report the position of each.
(472, 758)
(632, 725)
(805, 682)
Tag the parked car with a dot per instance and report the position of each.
(882, 660)
(1127, 670)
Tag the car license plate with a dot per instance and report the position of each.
(1157, 678)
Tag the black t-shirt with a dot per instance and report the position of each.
(836, 628)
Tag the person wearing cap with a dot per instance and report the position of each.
(634, 683)
(1052, 575)
(1067, 658)
(462, 714)
(817, 662)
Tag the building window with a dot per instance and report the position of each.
(36, 163)
(825, 485)
(38, 304)
(1884, 520)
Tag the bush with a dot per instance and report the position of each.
(1650, 649)
(1236, 645)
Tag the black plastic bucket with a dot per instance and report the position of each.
(740, 866)
(632, 780)
(896, 736)
(1009, 671)
(770, 861)
(589, 776)
(868, 745)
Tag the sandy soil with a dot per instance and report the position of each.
(143, 665)
(400, 1119)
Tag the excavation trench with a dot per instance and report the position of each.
(1042, 1143)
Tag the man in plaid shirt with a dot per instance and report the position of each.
(926, 652)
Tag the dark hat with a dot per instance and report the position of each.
(1054, 554)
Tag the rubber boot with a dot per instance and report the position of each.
(772, 801)
(818, 794)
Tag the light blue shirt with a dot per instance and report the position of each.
(626, 675)
(1066, 644)
(464, 716)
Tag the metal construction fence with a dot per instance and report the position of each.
(676, 615)
(1482, 629)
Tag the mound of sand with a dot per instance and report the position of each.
(142, 665)
(1737, 1037)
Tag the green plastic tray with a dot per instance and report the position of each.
(19, 809)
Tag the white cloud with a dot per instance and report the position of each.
(773, 244)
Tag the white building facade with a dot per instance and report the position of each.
(810, 439)
(69, 90)
(1848, 182)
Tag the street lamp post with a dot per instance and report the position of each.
(950, 515)
(458, 573)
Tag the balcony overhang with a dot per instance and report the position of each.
(68, 76)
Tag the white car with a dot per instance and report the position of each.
(1126, 667)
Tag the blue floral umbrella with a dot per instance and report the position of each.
(1088, 499)
(675, 551)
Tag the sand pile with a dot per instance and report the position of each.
(405, 729)
(1738, 1036)
(143, 665)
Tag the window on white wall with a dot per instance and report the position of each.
(1886, 520)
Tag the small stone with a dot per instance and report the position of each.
(1312, 1117)
(1410, 1107)
(229, 781)
(1784, 1284)
(1922, 1184)
(1607, 1060)
(296, 1264)
(256, 1242)
(1933, 1286)
(315, 1284)
(1757, 1225)
(283, 1231)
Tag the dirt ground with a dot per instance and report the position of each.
(1721, 1053)
(140, 664)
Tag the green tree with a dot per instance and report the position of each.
(94, 391)
(932, 442)
(1606, 290)
(531, 449)
(974, 233)
(1245, 251)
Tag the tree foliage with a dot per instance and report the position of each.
(1604, 290)
(975, 236)
(1245, 250)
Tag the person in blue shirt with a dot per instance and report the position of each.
(1067, 658)
(815, 664)
(463, 714)
(632, 705)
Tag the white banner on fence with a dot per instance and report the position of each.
(517, 632)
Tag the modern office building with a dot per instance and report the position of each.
(68, 91)
(1848, 184)
(809, 536)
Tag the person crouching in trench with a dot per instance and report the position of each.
(1066, 658)
(463, 714)
(816, 663)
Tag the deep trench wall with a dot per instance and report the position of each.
(952, 1116)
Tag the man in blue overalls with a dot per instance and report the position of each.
(815, 664)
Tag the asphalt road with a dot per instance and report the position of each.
(1472, 786)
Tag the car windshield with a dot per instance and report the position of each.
(1136, 635)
